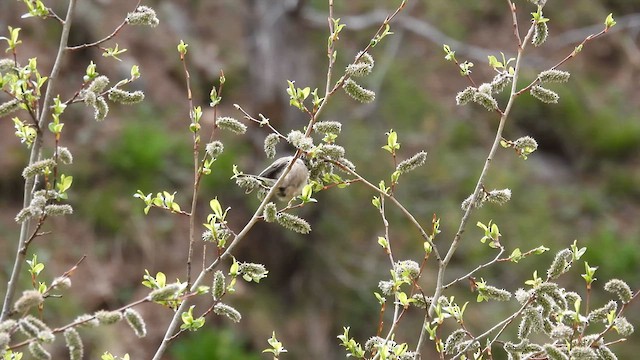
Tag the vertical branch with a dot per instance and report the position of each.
(196, 142)
(30, 183)
(396, 303)
(442, 265)
(396, 307)
(516, 29)
(330, 50)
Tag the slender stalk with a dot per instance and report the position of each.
(478, 268)
(397, 203)
(396, 305)
(502, 325)
(196, 173)
(106, 38)
(567, 58)
(612, 324)
(30, 183)
(330, 51)
(78, 322)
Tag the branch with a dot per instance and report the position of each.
(30, 183)
(442, 266)
(105, 39)
(567, 58)
(196, 173)
(79, 322)
(409, 23)
(397, 203)
(502, 325)
(496, 259)
(610, 326)
(571, 37)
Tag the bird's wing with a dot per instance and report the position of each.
(273, 170)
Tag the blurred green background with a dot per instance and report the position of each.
(583, 183)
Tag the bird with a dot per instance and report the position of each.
(292, 184)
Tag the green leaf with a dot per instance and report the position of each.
(395, 176)
(65, 183)
(376, 202)
(114, 52)
(135, 71)
(189, 323)
(307, 191)
(577, 252)
(427, 247)
(276, 346)
(590, 271)
(541, 249)
(216, 207)
(609, 22)
(383, 242)
(535, 281)
(37, 269)
(304, 93)
(494, 63)
(403, 299)
(381, 300)
(182, 48)
(450, 54)
(392, 140)
(161, 279)
(516, 255)
(233, 270)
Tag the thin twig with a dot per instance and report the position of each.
(78, 322)
(385, 222)
(105, 39)
(66, 274)
(502, 325)
(466, 276)
(397, 203)
(514, 16)
(567, 58)
(260, 122)
(196, 177)
(610, 326)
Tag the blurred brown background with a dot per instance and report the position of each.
(583, 183)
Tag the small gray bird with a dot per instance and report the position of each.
(291, 185)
